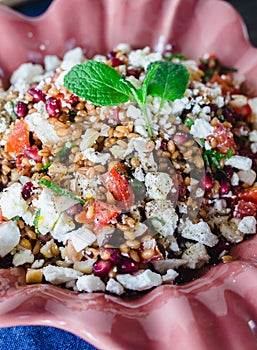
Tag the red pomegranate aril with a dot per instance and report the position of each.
(115, 256)
(101, 268)
(115, 62)
(208, 181)
(128, 265)
(134, 72)
(53, 107)
(111, 54)
(73, 100)
(21, 109)
(27, 190)
(179, 138)
(228, 171)
(224, 188)
(38, 95)
(32, 153)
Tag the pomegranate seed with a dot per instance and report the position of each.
(53, 107)
(21, 109)
(115, 256)
(111, 54)
(38, 95)
(32, 153)
(101, 268)
(208, 182)
(179, 138)
(27, 190)
(128, 265)
(228, 171)
(116, 62)
(134, 72)
(73, 100)
(224, 188)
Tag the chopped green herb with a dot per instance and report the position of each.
(16, 218)
(180, 56)
(13, 115)
(63, 155)
(61, 191)
(36, 220)
(213, 157)
(136, 184)
(155, 218)
(103, 85)
(189, 122)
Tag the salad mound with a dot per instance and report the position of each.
(127, 171)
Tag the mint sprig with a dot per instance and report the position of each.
(103, 85)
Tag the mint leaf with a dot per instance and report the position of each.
(98, 83)
(167, 80)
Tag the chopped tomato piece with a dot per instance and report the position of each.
(225, 82)
(245, 208)
(224, 137)
(1, 216)
(243, 111)
(116, 181)
(18, 139)
(249, 194)
(102, 215)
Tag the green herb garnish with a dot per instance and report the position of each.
(61, 191)
(155, 218)
(180, 56)
(103, 85)
(36, 220)
(62, 155)
(16, 218)
(212, 156)
(13, 115)
(189, 122)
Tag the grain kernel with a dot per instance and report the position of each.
(34, 276)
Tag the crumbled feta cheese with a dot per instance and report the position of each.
(26, 72)
(85, 187)
(253, 136)
(163, 266)
(84, 266)
(230, 231)
(11, 202)
(201, 129)
(72, 57)
(37, 264)
(9, 237)
(253, 147)
(196, 256)
(177, 107)
(134, 112)
(42, 128)
(239, 162)
(234, 179)
(123, 47)
(170, 276)
(88, 139)
(95, 157)
(158, 185)
(142, 58)
(63, 225)
(163, 216)
(48, 213)
(90, 283)
(3, 125)
(247, 225)
(142, 280)
(23, 257)
(199, 232)
(59, 275)
(247, 177)
(81, 238)
(114, 287)
(51, 62)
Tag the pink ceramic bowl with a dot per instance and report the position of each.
(217, 311)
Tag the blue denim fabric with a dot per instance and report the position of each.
(40, 338)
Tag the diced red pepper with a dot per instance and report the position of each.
(18, 139)
(116, 181)
(224, 137)
(249, 194)
(243, 111)
(245, 208)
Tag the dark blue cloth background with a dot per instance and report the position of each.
(39, 337)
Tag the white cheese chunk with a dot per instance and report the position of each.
(81, 238)
(247, 177)
(201, 129)
(11, 202)
(42, 128)
(239, 162)
(199, 232)
(140, 281)
(229, 229)
(59, 275)
(9, 237)
(88, 139)
(170, 276)
(23, 257)
(114, 287)
(51, 62)
(48, 213)
(90, 283)
(196, 256)
(163, 216)
(72, 57)
(63, 225)
(158, 185)
(26, 72)
(95, 157)
(247, 225)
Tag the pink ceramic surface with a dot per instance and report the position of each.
(217, 311)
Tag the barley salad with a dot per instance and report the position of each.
(127, 171)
